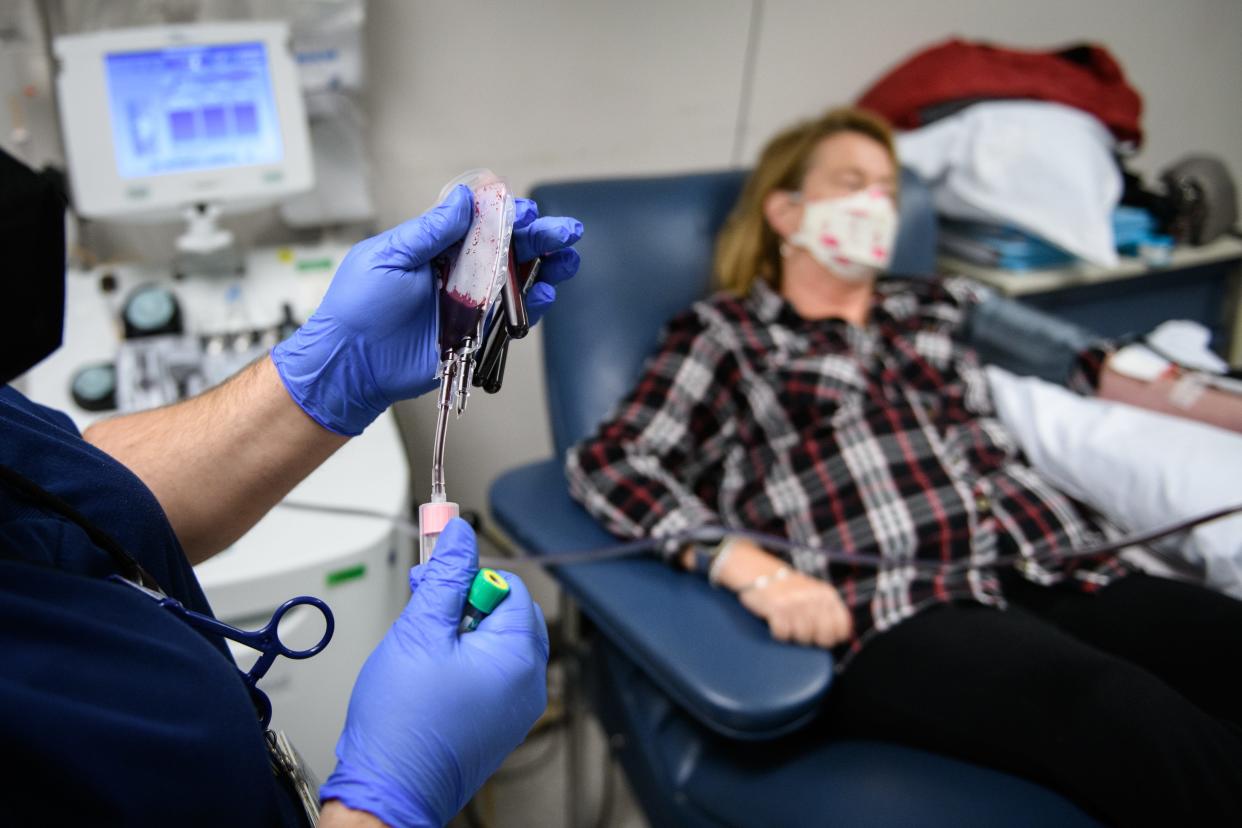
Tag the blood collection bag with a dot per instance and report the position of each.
(474, 271)
(472, 274)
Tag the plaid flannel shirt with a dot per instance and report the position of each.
(879, 440)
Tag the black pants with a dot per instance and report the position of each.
(1128, 702)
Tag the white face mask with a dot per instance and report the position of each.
(852, 235)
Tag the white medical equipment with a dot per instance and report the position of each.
(188, 118)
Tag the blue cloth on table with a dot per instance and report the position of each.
(1134, 227)
(1000, 246)
(1010, 248)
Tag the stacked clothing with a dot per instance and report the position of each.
(1024, 153)
(943, 79)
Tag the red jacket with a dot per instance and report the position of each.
(1086, 77)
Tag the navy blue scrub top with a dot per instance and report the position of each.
(113, 710)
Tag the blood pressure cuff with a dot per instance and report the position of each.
(1027, 341)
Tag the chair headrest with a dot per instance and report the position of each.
(646, 256)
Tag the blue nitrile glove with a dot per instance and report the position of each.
(550, 237)
(434, 713)
(374, 338)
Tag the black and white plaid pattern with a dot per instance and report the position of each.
(881, 440)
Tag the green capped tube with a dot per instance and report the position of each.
(486, 592)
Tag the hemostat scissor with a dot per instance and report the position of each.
(265, 640)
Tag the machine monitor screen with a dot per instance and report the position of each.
(191, 108)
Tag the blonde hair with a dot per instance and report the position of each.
(747, 247)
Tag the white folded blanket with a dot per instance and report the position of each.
(1043, 167)
(1140, 469)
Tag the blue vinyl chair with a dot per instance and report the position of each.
(712, 720)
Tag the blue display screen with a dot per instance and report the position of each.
(192, 108)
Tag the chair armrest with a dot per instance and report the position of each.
(698, 644)
(1025, 340)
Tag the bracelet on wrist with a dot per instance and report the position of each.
(723, 550)
(763, 580)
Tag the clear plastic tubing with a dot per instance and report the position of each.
(438, 495)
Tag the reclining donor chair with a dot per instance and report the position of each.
(712, 719)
